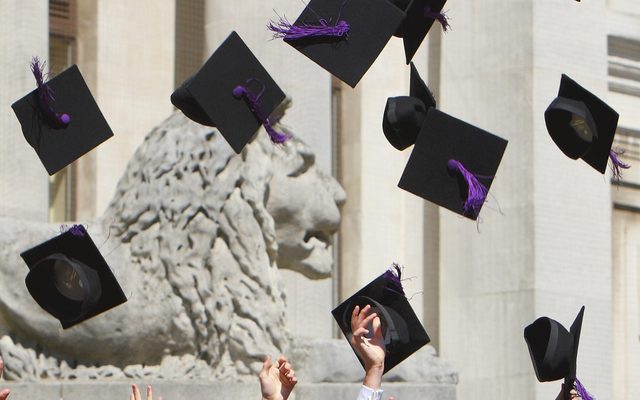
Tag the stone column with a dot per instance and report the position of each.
(24, 184)
(381, 223)
(133, 80)
(549, 251)
(309, 302)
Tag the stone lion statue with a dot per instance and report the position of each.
(195, 235)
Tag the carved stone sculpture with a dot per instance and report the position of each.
(195, 234)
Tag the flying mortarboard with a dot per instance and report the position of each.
(69, 278)
(233, 92)
(402, 331)
(583, 126)
(362, 29)
(60, 119)
(453, 164)
(554, 352)
(420, 16)
(404, 115)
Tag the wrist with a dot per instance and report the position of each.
(373, 376)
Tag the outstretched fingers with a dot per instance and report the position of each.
(359, 315)
(135, 393)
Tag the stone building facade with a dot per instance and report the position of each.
(555, 235)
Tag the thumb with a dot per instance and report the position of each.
(266, 366)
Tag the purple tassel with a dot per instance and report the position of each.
(438, 16)
(283, 29)
(46, 98)
(617, 164)
(75, 230)
(477, 191)
(392, 275)
(254, 101)
(582, 391)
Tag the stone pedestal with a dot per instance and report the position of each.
(249, 389)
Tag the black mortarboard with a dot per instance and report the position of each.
(404, 115)
(208, 96)
(420, 16)
(58, 146)
(348, 57)
(553, 349)
(402, 331)
(581, 125)
(447, 154)
(69, 278)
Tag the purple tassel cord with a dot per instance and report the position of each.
(254, 101)
(283, 29)
(582, 391)
(392, 275)
(438, 16)
(477, 192)
(46, 98)
(616, 164)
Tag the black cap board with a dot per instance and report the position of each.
(371, 25)
(208, 96)
(404, 115)
(58, 146)
(429, 172)
(69, 278)
(402, 331)
(553, 349)
(581, 125)
(417, 24)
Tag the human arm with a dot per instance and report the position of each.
(370, 347)
(4, 393)
(277, 381)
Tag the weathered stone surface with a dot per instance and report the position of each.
(244, 389)
(195, 234)
(316, 362)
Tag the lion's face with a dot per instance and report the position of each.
(304, 203)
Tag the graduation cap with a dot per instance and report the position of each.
(453, 164)
(402, 331)
(69, 278)
(342, 36)
(420, 16)
(583, 126)
(404, 115)
(554, 352)
(60, 119)
(232, 92)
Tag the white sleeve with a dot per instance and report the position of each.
(369, 394)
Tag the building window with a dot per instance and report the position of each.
(189, 34)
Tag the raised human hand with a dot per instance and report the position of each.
(277, 381)
(135, 393)
(369, 345)
(4, 393)
(572, 395)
